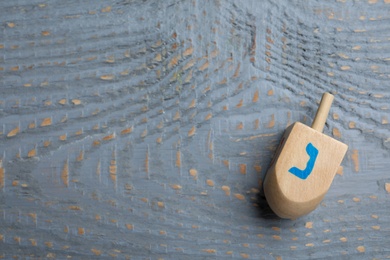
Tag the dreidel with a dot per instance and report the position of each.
(303, 166)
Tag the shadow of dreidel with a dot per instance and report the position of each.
(303, 166)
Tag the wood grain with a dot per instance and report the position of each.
(143, 129)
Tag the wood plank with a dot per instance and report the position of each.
(143, 129)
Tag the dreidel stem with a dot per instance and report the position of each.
(322, 112)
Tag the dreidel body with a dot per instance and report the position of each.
(303, 166)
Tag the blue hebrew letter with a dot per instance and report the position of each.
(303, 174)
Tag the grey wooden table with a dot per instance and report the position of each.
(144, 129)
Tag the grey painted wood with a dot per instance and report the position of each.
(143, 129)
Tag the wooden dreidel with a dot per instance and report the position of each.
(303, 166)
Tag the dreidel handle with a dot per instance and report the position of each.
(322, 112)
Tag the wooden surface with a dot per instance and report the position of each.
(143, 129)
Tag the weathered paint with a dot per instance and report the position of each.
(136, 129)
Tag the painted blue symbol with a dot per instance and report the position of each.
(303, 174)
